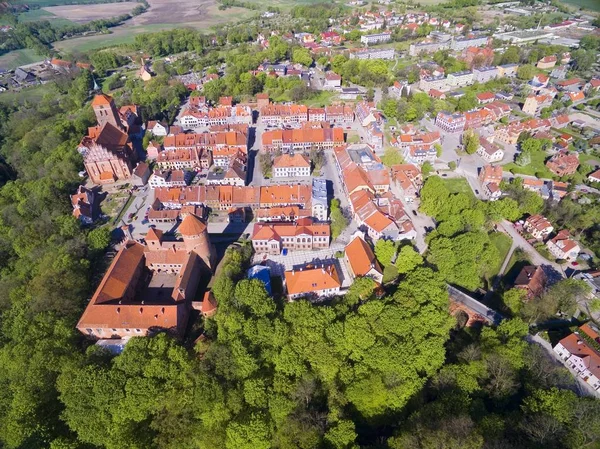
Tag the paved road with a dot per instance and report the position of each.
(583, 388)
(535, 257)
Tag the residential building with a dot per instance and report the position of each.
(174, 178)
(361, 260)
(492, 190)
(485, 97)
(485, 74)
(179, 159)
(319, 201)
(282, 114)
(594, 177)
(563, 163)
(83, 205)
(507, 70)
(291, 165)
(563, 247)
(429, 83)
(580, 355)
(460, 79)
(462, 43)
(475, 56)
(489, 152)
(451, 123)
(283, 214)
(532, 280)
(535, 103)
(369, 39)
(420, 154)
(333, 80)
(303, 235)
(312, 282)
(149, 288)
(339, 115)
(316, 115)
(490, 174)
(408, 179)
(141, 174)
(157, 128)
(373, 53)
(428, 46)
(303, 139)
(546, 62)
(538, 226)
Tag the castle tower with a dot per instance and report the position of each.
(106, 111)
(195, 237)
(154, 239)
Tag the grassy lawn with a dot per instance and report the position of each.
(33, 94)
(459, 185)
(535, 168)
(503, 243)
(17, 58)
(323, 99)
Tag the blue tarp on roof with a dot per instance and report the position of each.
(263, 274)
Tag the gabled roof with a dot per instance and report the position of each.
(312, 280)
(361, 257)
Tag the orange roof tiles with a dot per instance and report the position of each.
(312, 280)
(287, 160)
(361, 257)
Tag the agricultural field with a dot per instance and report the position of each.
(87, 13)
(17, 58)
(162, 15)
(592, 5)
(41, 14)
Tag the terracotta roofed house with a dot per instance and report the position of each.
(294, 165)
(563, 163)
(532, 279)
(580, 356)
(312, 282)
(547, 62)
(361, 260)
(562, 246)
(538, 226)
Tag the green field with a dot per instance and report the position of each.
(40, 14)
(592, 5)
(17, 58)
(535, 168)
(503, 243)
(44, 3)
(459, 185)
(32, 94)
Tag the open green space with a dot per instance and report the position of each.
(459, 185)
(592, 5)
(17, 58)
(321, 100)
(41, 14)
(503, 243)
(537, 166)
(32, 94)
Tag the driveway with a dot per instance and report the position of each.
(535, 257)
(583, 388)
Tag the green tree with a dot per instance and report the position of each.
(302, 56)
(470, 141)
(408, 259)
(525, 72)
(385, 251)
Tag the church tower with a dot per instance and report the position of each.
(195, 236)
(106, 111)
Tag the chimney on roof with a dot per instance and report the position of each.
(141, 310)
(119, 309)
